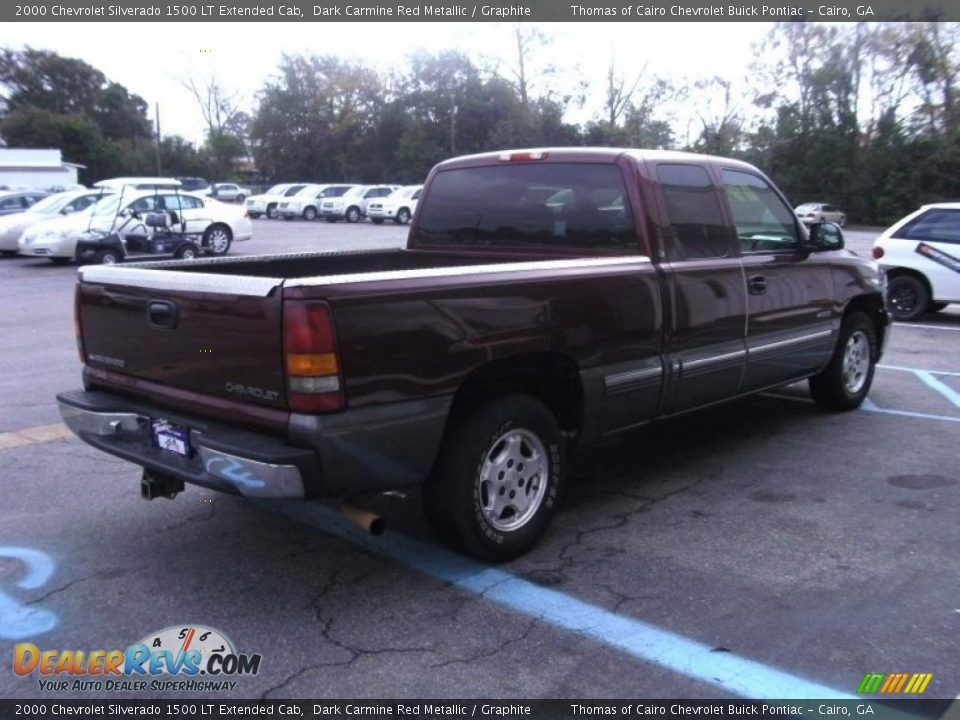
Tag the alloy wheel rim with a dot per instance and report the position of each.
(856, 362)
(512, 481)
(219, 241)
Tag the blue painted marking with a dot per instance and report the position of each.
(18, 621)
(871, 406)
(644, 641)
(915, 370)
(931, 382)
(233, 473)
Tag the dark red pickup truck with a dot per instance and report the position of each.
(543, 297)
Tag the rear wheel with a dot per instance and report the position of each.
(352, 215)
(253, 215)
(241, 197)
(187, 252)
(106, 257)
(310, 213)
(403, 216)
(217, 239)
(498, 478)
(845, 382)
(272, 211)
(908, 297)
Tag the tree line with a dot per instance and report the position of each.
(865, 116)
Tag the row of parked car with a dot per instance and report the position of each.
(52, 225)
(333, 202)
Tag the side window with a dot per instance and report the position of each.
(935, 225)
(190, 203)
(764, 222)
(693, 208)
(144, 204)
(11, 203)
(81, 203)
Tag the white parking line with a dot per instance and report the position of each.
(927, 327)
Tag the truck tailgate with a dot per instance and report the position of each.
(216, 335)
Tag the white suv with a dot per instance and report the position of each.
(921, 255)
(268, 202)
(352, 205)
(398, 207)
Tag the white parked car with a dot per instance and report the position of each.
(810, 213)
(228, 192)
(399, 206)
(16, 201)
(352, 205)
(306, 203)
(65, 203)
(220, 224)
(268, 203)
(921, 254)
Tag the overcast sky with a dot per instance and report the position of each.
(151, 59)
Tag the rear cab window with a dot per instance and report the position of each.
(548, 205)
(697, 228)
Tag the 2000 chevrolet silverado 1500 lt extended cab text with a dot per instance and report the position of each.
(543, 296)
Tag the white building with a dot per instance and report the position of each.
(36, 169)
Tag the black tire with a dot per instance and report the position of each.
(217, 239)
(936, 306)
(310, 213)
(188, 251)
(106, 257)
(253, 216)
(272, 211)
(352, 215)
(377, 221)
(907, 297)
(460, 503)
(403, 216)
(241, 197)
(845, 382)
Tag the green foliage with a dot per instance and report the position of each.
(865, 116)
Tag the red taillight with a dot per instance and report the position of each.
(522, 156)
(77, 330)
(877, 252)
(310, 358)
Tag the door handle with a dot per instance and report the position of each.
(757, 284)
(162, 314)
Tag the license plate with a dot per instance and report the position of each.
(170, 437)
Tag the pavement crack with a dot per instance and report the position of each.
(495, 651)
(199, 517)
(109, 574)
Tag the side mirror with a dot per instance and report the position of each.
(825, 236)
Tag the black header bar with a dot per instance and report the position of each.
(469, 11)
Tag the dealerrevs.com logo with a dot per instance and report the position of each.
(199, 658)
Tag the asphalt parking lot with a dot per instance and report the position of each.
(759, 549)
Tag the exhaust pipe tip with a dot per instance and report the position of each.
(364, 519)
